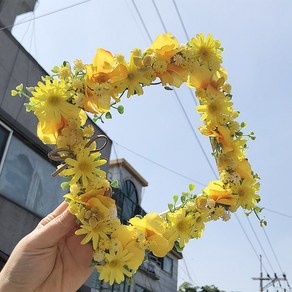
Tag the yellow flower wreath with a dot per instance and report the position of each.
(60, 101)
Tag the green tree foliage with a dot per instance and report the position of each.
(187, 287)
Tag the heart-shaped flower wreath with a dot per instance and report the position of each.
(59, 101)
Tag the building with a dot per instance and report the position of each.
(155, 274)
(25, 169)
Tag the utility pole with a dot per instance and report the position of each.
(272, 280)
(261, 275)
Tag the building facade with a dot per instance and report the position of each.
(28, 192)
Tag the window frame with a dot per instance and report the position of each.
(2, 159)
(163, 265)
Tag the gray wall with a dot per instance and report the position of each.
(15, 223)
(9, 9)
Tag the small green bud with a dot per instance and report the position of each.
(120, 109)
(19, 87)
(108, 115)
(14, 92)
(192, 187)
(65, 185)
(175, 198)
(243, 124)
(55, 69)
(115, 184)
(30, 89)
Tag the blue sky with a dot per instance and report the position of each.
(256, 36)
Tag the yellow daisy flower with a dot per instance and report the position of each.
(136, 77)
(85, 167)
(181, 226)
(215, 107)
(114, 269)
(50, 104)
(207, 51)
(95, 230)
(247, 194)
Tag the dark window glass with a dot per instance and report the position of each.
(130, 200)
(4, 134)
(167, 264)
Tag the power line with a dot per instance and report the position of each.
(159, 15)
(43, 15)
(160, 165)
(279, 213)
(157, 11)
(273, 251)
(145, 27)
(188, 272)
(195, 134)
(260, 244)
(247, 237)
(180, 19)
(188, 38)
(142, 21)
(182, 107)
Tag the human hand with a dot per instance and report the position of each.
(50, 258)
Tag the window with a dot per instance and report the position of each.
(167, 264)
(26, 179)
(130, 200)
(5, 136)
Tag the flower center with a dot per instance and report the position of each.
(204, 53)
(131, 76)
(84, 166)
(241, 193)
(212, 107)
(53, 100)
(113, 263)
(181, 225)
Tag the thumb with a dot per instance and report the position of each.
(55, 230)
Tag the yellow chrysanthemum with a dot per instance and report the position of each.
(85, 167)
(128, 237)
(199, 225)
(215, 108)
(238, 150)
(247, 194)
(181, 226)
(50, 104)
(114, 269)
(207, 51)
(134, 79)
(94, 230)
